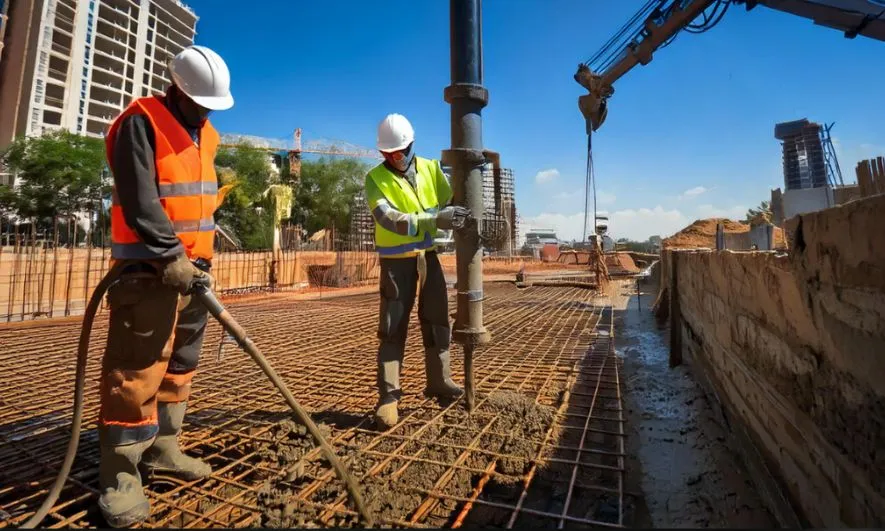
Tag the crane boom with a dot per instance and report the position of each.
(664, 21)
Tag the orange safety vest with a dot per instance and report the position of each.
(186, 182)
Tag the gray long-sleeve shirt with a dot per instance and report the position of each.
(135, 180)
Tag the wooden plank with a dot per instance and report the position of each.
(864, 178)
(880, 175)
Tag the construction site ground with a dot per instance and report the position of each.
(579, 423)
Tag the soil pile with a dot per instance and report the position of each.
(620, 264)
(399, 485)
(702, 234)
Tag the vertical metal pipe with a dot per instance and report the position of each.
(467, 97)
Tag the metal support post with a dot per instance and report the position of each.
(467, 97)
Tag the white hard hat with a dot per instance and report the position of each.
(395, 133)
(202, 75)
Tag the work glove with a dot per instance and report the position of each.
(182, 275)
(452, 217)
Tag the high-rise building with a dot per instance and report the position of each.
(75, 64)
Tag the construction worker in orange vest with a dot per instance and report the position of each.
(161, 151)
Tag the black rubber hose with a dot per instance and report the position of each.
(231, 326)
(79, 386)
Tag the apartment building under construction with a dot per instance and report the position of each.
(75, 64)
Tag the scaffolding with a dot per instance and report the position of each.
(361, 236)
(499, 220)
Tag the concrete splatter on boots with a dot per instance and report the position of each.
(437, 364)
(386, 416)
(122, 501)
(165, 455)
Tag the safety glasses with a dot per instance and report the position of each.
(397, 156)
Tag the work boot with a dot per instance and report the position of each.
(386, 416)
(165, 455)
(437, 364)
(122, 501)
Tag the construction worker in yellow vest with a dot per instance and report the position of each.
(408, 198)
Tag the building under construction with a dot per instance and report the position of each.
(361, 236)
(803, 154)
(499, 221)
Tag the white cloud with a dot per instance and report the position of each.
(636, 224)
(694, 192)
(736, 212)
(545, 176)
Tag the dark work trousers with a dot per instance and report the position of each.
(399, 284)
(151, 356)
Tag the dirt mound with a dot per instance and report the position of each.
(620, 264)
(398, 488)
(702, 234)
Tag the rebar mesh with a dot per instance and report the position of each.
(551, 345)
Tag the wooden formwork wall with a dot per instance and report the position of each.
(871, 176)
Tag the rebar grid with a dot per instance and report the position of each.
(551, 345)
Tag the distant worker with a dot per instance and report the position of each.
(407, 196)
(161, 151)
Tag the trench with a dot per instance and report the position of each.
(683, 459)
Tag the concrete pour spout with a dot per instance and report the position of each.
(467, 96)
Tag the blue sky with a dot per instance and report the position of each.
(688, 136)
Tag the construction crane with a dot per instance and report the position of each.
(294, 149)
(658, 23)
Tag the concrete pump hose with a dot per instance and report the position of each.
(79, 387)
(205, 295)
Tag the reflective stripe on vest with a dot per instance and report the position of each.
(179, 190)
(401, 196)
(186, 183)
(424, 244)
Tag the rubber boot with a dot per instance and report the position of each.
(390, 358)
(386, 416)
(122, 501)
(165, 455)
(437, 363)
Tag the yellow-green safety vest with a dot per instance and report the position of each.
(401, 196)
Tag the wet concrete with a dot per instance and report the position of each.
(683, 461)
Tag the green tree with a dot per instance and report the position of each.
(325, 193)
(8, 201)
(762, 212)
(59, 174)
(245, 209)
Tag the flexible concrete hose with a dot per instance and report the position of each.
(79, 386)
(234, 329)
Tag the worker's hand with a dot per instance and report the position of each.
(182, 275)
(452, 217)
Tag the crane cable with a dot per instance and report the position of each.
(589, 186)
(632, 31)
(613, 40)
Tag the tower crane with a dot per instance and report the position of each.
(295, 149)
(658, 23)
